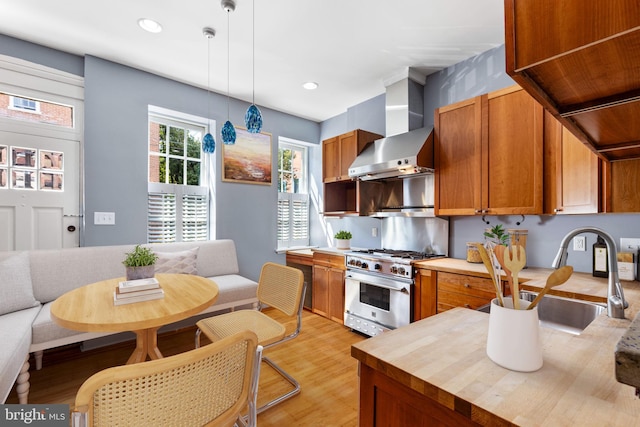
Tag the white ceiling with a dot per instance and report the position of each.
(350, 47)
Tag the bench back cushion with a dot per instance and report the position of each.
(54, 272)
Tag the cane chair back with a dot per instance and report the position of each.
(280, 287)
(208, 386)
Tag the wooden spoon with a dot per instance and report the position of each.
(515, 260)
(557, 277)
(489, 266)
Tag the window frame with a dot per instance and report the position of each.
(291, 201)
(14, 106)
(188, 200)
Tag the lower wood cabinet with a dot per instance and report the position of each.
(386, 402)
(460, 290)
(438, 291)
(424, 294)
(328, 286)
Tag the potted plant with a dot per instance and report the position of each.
(497, 234)
(343, 239)
(140, 263)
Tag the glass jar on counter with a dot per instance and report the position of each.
(473, 254)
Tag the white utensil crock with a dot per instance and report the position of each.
(513, 341)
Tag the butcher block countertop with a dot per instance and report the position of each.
(444, 358)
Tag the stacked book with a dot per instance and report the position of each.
(131, 291)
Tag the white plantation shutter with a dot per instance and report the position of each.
(293, 219)
(161, 220)
(195, 213)
(177, 213)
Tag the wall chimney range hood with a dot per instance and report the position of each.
(407, 149)
(397, 156)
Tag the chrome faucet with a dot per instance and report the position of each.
(615, 297)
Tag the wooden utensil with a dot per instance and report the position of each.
(489, 266)
(557, 277)
(498, 250)
(515, 259)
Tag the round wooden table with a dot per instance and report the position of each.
(91, 309)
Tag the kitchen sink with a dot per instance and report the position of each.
(564, 314)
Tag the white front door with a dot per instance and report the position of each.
(41, 131)
(39, 192)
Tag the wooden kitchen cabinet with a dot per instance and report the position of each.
(340, 151)
(458, 158)
(572, 172)
(460, 290)
(328, 286)
(624, 191)
(384, 401)
(424, 294)
(580, 60)
(341, 194)
(489, 155)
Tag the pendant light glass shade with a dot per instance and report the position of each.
(208, 143)
(253, 119)
(253, 116)
(228, 133)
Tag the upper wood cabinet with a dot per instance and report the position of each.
(458, 157)
(489, 155)
(624, 196)
(572, 172)
(581, 61)
(340, 151)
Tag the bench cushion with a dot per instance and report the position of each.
(15, 336)
(233, 287)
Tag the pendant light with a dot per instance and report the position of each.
(253, 117)
(208, 142)
(228, 131)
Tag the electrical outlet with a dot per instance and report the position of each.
(580, 243)
(104, 218)
(629, 244)
(374, 232)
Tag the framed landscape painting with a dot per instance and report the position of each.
(248, 160)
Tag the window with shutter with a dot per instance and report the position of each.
(178, 205)
(293, 198)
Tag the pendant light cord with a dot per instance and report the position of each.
(253, 51)
(228, 64)
(208, 80)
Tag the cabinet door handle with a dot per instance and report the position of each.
(466, 285)
(467, 306)
(556, 210)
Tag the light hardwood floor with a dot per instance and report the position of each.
(319, 358)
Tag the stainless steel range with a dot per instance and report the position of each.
(378, 287)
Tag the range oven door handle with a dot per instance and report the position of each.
(379, 285)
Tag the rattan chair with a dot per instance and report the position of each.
(211, 385)
(280, 287)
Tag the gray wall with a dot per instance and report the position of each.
(115, 152)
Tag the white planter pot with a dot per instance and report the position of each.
(343, 243)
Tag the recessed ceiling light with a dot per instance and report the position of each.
(149, 25)
(310, 85)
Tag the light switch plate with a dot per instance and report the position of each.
(104, 218)
(629, 244)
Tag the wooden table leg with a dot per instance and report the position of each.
(146, 345)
